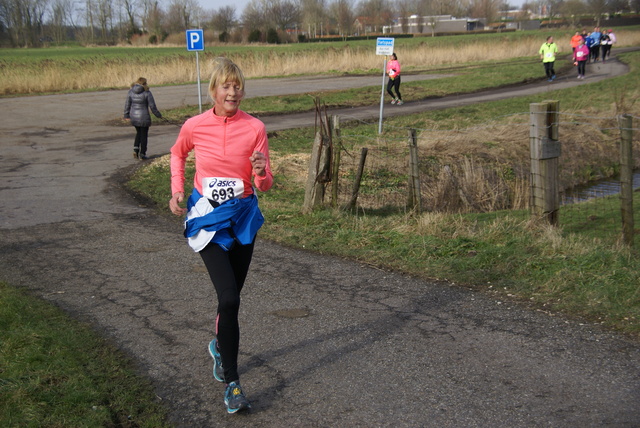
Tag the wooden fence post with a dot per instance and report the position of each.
(545, 151)
(415, 200)
(356, 183)
(626, 178)
(337, 146)
(314, 189)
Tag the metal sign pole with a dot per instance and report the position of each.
(384, 70)
(195, 42)
(384, 46)
(199, 88)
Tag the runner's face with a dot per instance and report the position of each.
(227, 97)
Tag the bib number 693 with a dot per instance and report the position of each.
(223, 194)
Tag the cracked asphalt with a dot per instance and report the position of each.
(325, 341)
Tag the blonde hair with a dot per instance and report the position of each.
(225, 70)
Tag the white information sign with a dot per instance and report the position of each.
(384, 45)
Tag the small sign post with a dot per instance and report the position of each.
(384, 46)
(195, 42)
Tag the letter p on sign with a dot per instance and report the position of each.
(195, 40)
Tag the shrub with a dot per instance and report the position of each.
(272, 36)
(254, 36)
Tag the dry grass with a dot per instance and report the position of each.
(431, 53)
(477, 169)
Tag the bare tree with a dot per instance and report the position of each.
(283, 14)
(129, 7)
(104, 13)
(224, 19)
(571, 11)
(598, 8)
(183, 15)
(254, 17)
(314, 16)
(377, 12)
(61, 17)
(341, 12)
(24, 20)
(619, 6)
(403, 12)
(487, 9)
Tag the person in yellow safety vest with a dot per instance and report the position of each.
(547, 53)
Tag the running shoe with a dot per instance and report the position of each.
(235, 399)
(393, 101)
(553, 77)
(400, 102)
(218, 371)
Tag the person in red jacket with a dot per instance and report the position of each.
(393, 70)
(580, 57)
(223, 218)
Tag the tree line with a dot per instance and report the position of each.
(33, 23)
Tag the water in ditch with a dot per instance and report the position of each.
(596, 190)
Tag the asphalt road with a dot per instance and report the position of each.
(325, 341)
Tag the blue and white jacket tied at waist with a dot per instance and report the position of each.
(233, 221)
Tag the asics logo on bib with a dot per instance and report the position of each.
(221, 183)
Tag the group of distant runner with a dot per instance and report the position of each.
(587, 47)
(597, 42)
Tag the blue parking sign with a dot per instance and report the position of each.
(195, 40)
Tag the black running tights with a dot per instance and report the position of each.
(395, 84)
(228, 270)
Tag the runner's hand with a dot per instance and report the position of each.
(174, 204)
(258, 163)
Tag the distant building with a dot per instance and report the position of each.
(433, 24)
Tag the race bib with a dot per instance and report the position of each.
(221, 189)
(549, 54)
(580, 54)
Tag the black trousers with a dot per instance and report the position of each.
(581, 67)
(140, 143)
(228, 271)
(395, 84)
(548, 69)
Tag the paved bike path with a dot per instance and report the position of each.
(325, 341)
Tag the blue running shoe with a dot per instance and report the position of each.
(218, 371)
(235, 399)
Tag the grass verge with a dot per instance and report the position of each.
(56, 372)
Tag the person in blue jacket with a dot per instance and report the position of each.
(595, 47)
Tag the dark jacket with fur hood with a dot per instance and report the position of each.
(139, 101)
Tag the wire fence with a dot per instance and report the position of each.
(487, 169)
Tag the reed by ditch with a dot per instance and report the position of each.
(97, 70)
